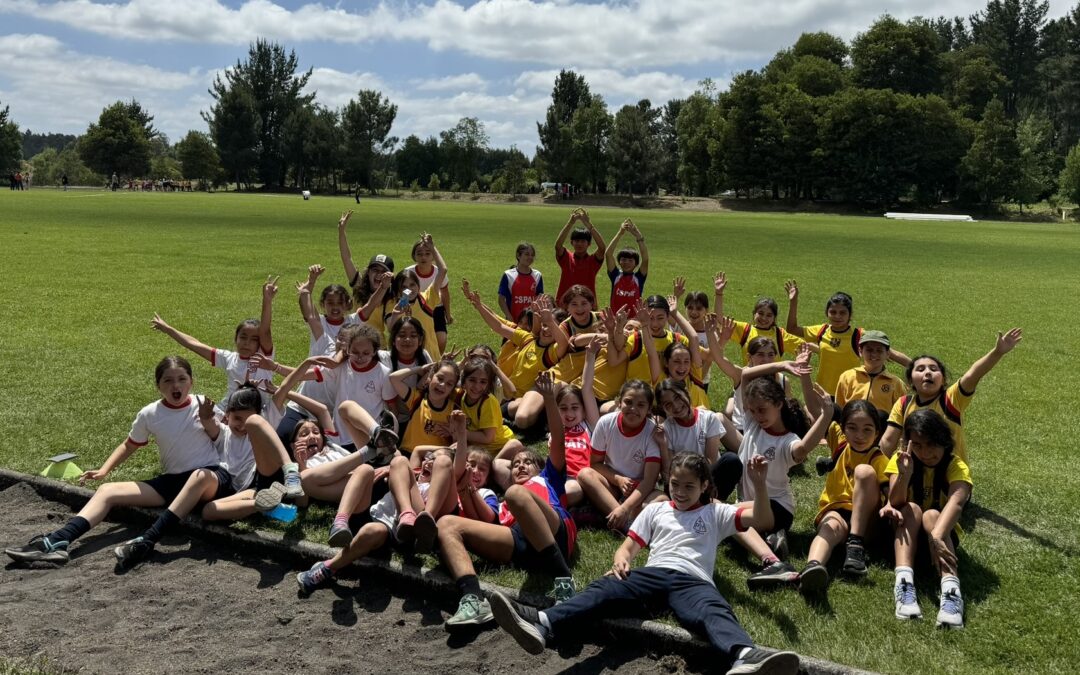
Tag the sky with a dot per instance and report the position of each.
(438, 60)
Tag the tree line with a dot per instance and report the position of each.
(980, 110)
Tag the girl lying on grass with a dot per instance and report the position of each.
(534, 529)
(682, 535)
(928, 487)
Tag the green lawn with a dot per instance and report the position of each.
(84, 272)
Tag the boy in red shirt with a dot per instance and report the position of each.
(579, 267)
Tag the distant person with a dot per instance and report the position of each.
(579, 267)
(28, 179)
(521, 284)
(64, 181)
(114, 182)
(18, 180)
(628, 276)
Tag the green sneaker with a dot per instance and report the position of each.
(563, 590)
(471, 611)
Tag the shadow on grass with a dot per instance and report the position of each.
(974, 513)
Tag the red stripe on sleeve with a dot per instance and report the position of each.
(137, 444)
(637, 539)
(740, 526)
(318, 374)
(652, 459)
(213, 356)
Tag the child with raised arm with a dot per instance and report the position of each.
(487, 431)
(838, 340)
(370, 288)
(252, 337)
(929, 389)
(429, 268)
(696, 304)
(406, 300)
(579, 267)
(682, 536)
(763, 325)
(521, 284)
(761, 351)
(928, 487)
(628, 274)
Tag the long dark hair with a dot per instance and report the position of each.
(791, 412)
(934, 430)
(421, 358)
(699, 466)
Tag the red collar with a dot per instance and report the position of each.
(186, 403)
(374, 362)
(673, 506)
(332, 322)
(693, 419)
(623, 430)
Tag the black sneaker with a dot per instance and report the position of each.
(813, 579)
(40, 549)
(778, 573)
(132, 552)
(521, 621)
(823, 465)
(854, 561)
(385, 439)
(766, 663)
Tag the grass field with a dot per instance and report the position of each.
(83, 273)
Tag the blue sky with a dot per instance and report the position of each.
(439, 60)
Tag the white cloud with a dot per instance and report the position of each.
(463, 82)
(616, 87)
(627, 34)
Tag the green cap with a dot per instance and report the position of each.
(874, 336)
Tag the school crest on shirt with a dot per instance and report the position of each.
(699, 526)
(886, 387)
(834, 342)
(429, 426)
(639, 456)
(770, 453)
(369, 387)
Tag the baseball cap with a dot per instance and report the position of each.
(874, 336)
(384, 260)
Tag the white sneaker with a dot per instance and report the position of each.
(907, 607)
(951, 614)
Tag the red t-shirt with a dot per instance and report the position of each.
(626, 288)
(578, 446)
(577, 271)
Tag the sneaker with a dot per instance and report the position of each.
(907, 607)
(385, 440)
(951, 614)
(426, 531)
(405, 531)
(854, 562)
(270, 498)
(563, 590)
(777, 541)
(40, 549)
(823, 465)
(771, 576)
(132, 552)
(318, 576)
(471, 611)
(340, 536)
(521, 621)
(813, 579)
(770, 663)
(294, 489)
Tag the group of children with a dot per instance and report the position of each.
(416, 445)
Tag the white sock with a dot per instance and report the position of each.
(374, 428)
(544, 621)
(742, 653)
(904, 573)
(291, 467)
(950, 583)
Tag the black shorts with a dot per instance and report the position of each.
(168, 485)
(439, 315)
(526, 557)
(782, 518)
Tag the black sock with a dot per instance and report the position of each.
(469, 585)
(75, 528)
(166, 520)
(553, 559)
(854, 540)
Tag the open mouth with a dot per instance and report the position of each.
(177, 395)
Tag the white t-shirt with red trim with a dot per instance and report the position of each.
(691, 437)
(426, 282)
(330, 330)
(237, 457)
(182, 442)
(237, 369)
(685, 541)
(370, 387)
(625, 454)
(776, 449)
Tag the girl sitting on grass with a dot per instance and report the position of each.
(928, 487)
(486, 428)
(370, 288)
(173, 422)
(682, 536)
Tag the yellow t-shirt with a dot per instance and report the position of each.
(485, 414)
(420, 430)
(524, 362)
(637, 358)
(745, 333)
(839, 490)
(607, 379)
(950, 404)
(572, 363)
(421, 310)
(957, 470)
(882, 390)
(699, 398)
(839, 351)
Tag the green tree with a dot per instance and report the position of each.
(748, 134)
(462, 148)
(1010, 30)
(939, 139)
(970, 80)
(555, 152)
(10, 142)
(668, 139)
(513, 173)
(816, 76)
(590, 130)
(116, 143)
(434, 183)
(416, 159)
(1069, 179)
(992, 162)
(698, 130)
(1035, 178)
(325, 147)
(235, 128)
(269, 76)
(1060, 73)
(634, 148)
(366, 122)
(898, 56)
(198, 157)
(821, 45)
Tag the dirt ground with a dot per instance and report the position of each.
(195, 608)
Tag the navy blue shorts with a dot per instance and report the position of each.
(439, 316)
(168, 485)
(526, 557)
(782, 518)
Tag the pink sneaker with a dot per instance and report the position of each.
(405, 531)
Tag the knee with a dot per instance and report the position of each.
(728, 467)
(399, 462)
(441, 463)
(253, 422)
(516, 495)
(929, 519)
(587, 475)
(346, 407)
(864, 473)
(912, 513)
(449, 529)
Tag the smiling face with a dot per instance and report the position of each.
(860, 431)
(765, 412)
(480, 464)
(634, 406)
(571, 411)
(477, 385)
(627, 264)
(839, 316)
(336, 306)
(674, 405)
(174, 385)
(680, 364)
(374, 272)
(928, 453)
(763, 356)
(658, 320)
(696, 312)
(407, 341)
(874, 355)
(926, 378)
(523, 467)
(423, 255)
(247, 341)
(685, 488)
(579, 308)
(764, 318)
(308, 437)
(525, 258)
(442, 384)
(361, 353)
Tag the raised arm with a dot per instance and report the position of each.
(687, 330)
(793, 326)
(609, 253)
(601, 247)
(269, 290)
(643, 268)
(760, 516)
(183, 339)
(398, 377)
(719, 284)
(898, 483)
(718, 332)
(801, 448)
(560, 241)
(343, 248)
(1006, 342)
(545, 384)
(307, 307)
(812, 395)
(493, 322)
(440, 262)
(588, 396)
(375, 302)
(793, 367)
(547, 318)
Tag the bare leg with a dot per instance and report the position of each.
(907, 535)
(270, 454)
(357, 421)
(370, 537)
(574, 495)
(597, 490)
(457, 536)
(528, 409)
(234, 507)
(537, 519)
(832, 531)
(865, 500)
(118, 494)
(403, 486)
(357, 494)
(442, 495)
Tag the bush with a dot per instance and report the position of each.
(433, 183)
(498, 185)
(414, 187)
